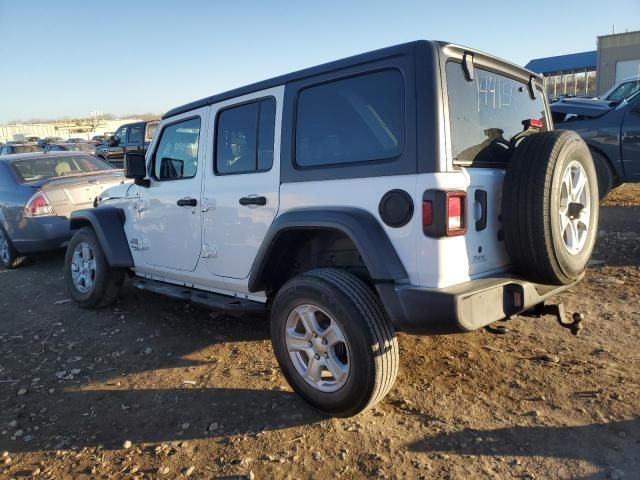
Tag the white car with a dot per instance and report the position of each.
(418, 188)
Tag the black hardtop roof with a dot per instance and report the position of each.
(136, 123)
(396, 50)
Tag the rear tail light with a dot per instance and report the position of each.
(427, 213)
(38, 206)
(444, 213)
(455, 215)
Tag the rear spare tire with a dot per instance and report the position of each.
(550, 207)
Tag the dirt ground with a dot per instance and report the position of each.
(154, 388)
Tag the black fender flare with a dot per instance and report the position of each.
(108, 223)
(364, 230)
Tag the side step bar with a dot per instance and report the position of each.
(214, 301)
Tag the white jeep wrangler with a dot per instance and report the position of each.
(418, 188)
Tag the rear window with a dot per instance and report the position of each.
(32, 169)
(358, 119)
(26, 149)
(79, 147)
(488, 115)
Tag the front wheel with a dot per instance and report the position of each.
(89, 278)
(333, 341)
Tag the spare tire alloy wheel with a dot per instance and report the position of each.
(317, 348)
(83, 267)
(575, 206)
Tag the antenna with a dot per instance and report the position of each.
(613, 29)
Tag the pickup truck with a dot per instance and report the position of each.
(611, 129)
(129, 138)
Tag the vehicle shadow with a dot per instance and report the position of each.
(601, 444)
(133, 359)
(110, 417)
(618, 236)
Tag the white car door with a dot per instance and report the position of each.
(171, 217)
(241, 189)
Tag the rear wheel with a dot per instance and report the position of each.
(89, 278)
(550, 207)
(333, 341)
(9, 256)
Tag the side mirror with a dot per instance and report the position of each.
(112, 141)
(135, 167)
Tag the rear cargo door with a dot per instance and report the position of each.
(488, 115)
(485, 248)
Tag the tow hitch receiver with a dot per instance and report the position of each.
(557, 310)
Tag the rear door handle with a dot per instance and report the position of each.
(187, 202)
(253, 201)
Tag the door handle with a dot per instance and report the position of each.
(481, 198)
(187, 202)
(253, 201)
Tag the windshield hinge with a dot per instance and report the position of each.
(467, 66)
(532, 88)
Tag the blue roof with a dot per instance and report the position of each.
(573, 61)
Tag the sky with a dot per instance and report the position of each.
(69, 58)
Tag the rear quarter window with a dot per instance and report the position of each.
(488, 115)
(351, 120)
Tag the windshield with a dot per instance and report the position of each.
(624, 91)
(32, 169)
(79, 147)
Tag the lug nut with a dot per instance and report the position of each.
(317, 357)
(309, 344)
(314, 335)
(324, 341)
(326, 355)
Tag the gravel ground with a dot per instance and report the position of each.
(154, 388)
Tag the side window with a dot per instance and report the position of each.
(135, 134)
(245, 138)
(357, 119)
(120, 135)
(176, 156)
(151, 130)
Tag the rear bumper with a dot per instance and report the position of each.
(461, 308)
(41, 234)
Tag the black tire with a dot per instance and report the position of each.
(9, 256)
(531, 203)
(107, 281)
(607, 180)
(372, 343)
